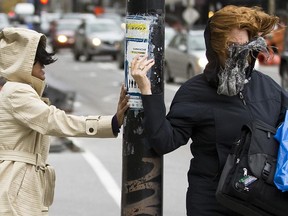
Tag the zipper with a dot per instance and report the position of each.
(242, 98)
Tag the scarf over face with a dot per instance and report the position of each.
(233, 76)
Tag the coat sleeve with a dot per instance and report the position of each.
(164, 134)
(28, 109)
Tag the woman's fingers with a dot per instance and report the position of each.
(140, 64)
(139, 68)
(122, 105)
(123, 100)
(122, 93)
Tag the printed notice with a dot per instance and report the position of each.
(137, 42)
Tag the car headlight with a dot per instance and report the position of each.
(202, 62)
(96, 41)
(62, 38)
(123, 25)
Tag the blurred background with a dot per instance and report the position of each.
(88, 39)
(73, 24)
(201, 9)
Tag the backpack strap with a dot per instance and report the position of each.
(267, 169)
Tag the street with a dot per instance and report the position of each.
(88, 183)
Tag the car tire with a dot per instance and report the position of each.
(284, 76)
(120, 62)
(76, 55)
(114, 57)
(167, 74)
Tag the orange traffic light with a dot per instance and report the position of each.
(44, 2)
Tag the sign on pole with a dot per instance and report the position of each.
(142, 174)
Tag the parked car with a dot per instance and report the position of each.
(169, 34)
(283, 68)
(63, 36)
(185, 56)
(98, 37)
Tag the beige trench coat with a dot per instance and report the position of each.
(26, 185)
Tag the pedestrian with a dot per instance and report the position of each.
(27, 120)
(211, 108)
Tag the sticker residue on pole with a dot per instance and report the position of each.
(138, 32)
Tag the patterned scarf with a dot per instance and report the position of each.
(232, 77)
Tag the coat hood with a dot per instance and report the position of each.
(18, 48)
(212, 68)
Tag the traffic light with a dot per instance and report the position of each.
(44, 2)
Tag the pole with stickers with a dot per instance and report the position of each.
(142, 173)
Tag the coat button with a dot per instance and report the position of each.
(91, 130)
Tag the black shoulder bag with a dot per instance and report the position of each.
(246, 183)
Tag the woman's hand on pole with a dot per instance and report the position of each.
(139, 67)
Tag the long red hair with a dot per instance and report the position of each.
(253, 19)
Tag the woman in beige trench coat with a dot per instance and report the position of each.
(26, 120)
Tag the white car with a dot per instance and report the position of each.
(185, 56)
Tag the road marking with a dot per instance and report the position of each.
(104, 176)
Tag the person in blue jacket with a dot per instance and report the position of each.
(211, 108)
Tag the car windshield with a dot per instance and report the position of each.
(102, 27)
(82, 16)
(67, 26)
(196, 42)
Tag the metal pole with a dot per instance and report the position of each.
(37, 15)
(142, 174)
(74, 5)
(271, 6)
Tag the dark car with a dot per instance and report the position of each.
(283, 68)
(63, 36)
(99, 37)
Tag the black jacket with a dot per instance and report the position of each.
(213, 122)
